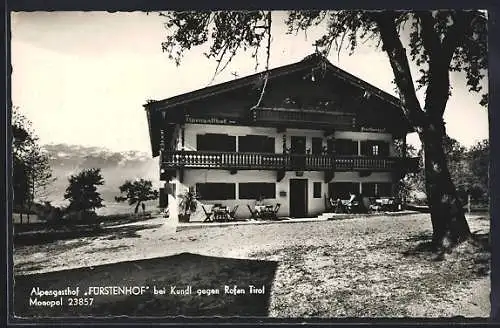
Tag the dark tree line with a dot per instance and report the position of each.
(468, 169)
(32, 174)
(30, 165)
(440, 42)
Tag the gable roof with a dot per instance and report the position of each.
(308, 62)
(154, 108)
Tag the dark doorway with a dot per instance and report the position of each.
(298, 198)
(298, 150)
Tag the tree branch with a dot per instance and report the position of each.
(429, 36)
(400, 67)
(266, 77)
(437, 93)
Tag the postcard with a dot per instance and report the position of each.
(252, 164)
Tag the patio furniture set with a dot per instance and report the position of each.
(220, 213)
(264, 212)
(368, 204)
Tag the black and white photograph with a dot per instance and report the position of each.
(281, 164)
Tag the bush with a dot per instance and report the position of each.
(81, 218)
(48, 213)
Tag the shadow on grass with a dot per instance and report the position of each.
(476, 252)
(110, 233)
(107, 249)
(182, 270)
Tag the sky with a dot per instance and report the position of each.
(82, 77)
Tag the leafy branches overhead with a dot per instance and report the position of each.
(439, 41)
(229, 32)
(448, 39)
(32, 172)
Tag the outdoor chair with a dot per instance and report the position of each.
(233, 212)
(208, 215)
(275, 211)
(252, 212)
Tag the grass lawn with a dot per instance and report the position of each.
(361, 267)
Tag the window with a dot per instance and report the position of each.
(346, 147)
(341, 189)
(216, 191)
(215, 142)
(384, 148)
(384, 189)
(374, 148)
(369, 189)
(253, 190)
(317, 190)
(317, 146)
(255, 143)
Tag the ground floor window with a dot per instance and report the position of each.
(342, 189)
(317, 190)
(369, 189)
(254, 190)
(216, 191)
(381, 189)
(384, 189)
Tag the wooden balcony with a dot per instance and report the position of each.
(268, 161)
(316, 118)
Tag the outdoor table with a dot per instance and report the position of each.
(263, 208)
(221, 213)
(264, 211)
(385, 203)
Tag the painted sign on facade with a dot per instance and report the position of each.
(209, 120)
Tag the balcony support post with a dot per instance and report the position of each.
(181, 175)
(280, 174)
(329, 175)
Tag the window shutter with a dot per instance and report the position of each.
(231, 143)
(330, 146)
(365, 148)
(354, 147)
(384, 148)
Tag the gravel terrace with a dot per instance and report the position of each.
(360, 267)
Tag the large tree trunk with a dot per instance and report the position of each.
(137, 207)
(447, 214)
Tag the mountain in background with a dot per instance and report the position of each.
(116, 167)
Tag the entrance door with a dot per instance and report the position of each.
(298, 198)
(298, 150)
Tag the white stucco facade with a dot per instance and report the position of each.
(315, 205)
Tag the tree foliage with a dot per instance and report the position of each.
(439, 41)
(82, 190)
(468, 169)
(137, 192)
(412, 182)
(229, 31)
(31, 169)
(479, 156)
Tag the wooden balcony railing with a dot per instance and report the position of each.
(314, 117)
(268, 161)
